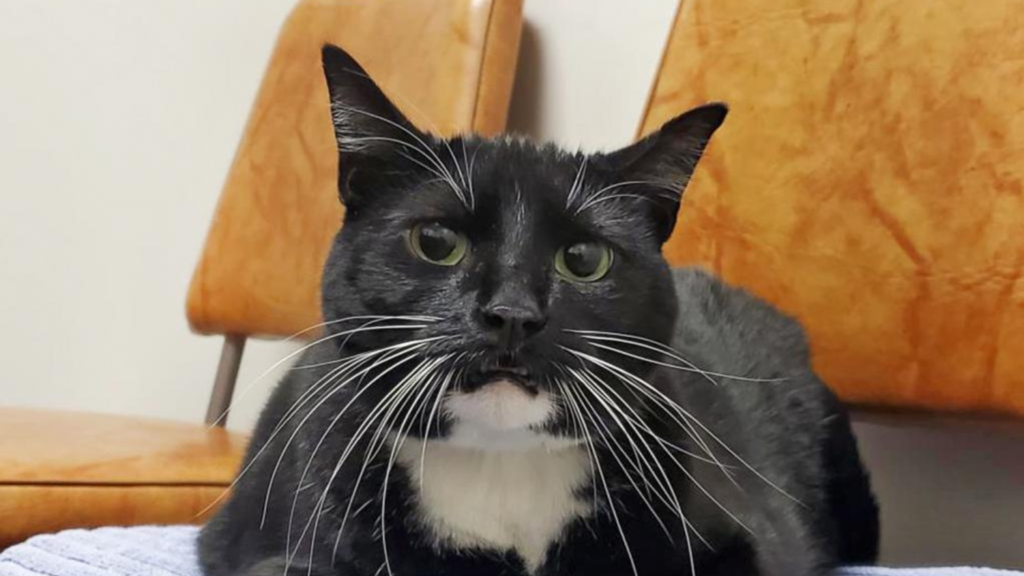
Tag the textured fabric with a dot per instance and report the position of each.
(170, 551)
(951, 571)
(139, 551)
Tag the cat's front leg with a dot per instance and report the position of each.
(785, 547)
(279, 566)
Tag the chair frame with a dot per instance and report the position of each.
(225, 379)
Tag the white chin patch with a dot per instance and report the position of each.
(501, 405)
(499, 415)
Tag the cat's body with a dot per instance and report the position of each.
(531, 510)
(489, 402)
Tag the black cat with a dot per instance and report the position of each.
(512, 381)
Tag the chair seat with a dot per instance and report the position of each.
(67, 470)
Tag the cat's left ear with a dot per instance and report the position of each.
(661, 163)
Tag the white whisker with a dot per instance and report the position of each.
(614, 443)
(667, 405)
(595, 197)
(340, 371)
(667, 402)
(577, 183)
(392, 396)
(609, 390)
(397, 444)
(248, 386)
(663, 349)
(670, 498)
(404, 357)
(611, 503)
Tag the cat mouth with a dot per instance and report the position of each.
(516, 375)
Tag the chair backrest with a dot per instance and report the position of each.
(870, 181)
(449, 64)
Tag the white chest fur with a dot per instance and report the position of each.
(519, 500)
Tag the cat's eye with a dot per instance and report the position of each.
(584, 262)
(437, 244)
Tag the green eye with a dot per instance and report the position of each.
(436, 244)
(584, 262)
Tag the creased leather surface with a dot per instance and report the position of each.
(869, 181)
(448, 64)
(65, 469)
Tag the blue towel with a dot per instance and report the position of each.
(171, 551)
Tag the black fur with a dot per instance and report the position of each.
(787, 463)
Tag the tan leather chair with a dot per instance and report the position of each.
(869, 181)
(450, 65)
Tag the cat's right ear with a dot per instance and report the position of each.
(371, 132)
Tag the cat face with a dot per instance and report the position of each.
(488, 280)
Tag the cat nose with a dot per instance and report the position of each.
(512, 322)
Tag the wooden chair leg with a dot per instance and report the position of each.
(224, 382)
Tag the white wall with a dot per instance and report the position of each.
(118, 120)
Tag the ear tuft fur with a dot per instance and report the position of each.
(369, 129)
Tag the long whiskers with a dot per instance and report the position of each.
(589, 443)
(676, 412)
(614, 447)
(402, 356)
(353, 442)
(345, 368)
(603, 389)
(662, 349)
(382, 415)
(248, 386)
(397, 444)
(387, 408)
(651, 462)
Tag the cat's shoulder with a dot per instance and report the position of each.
(730, 318)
